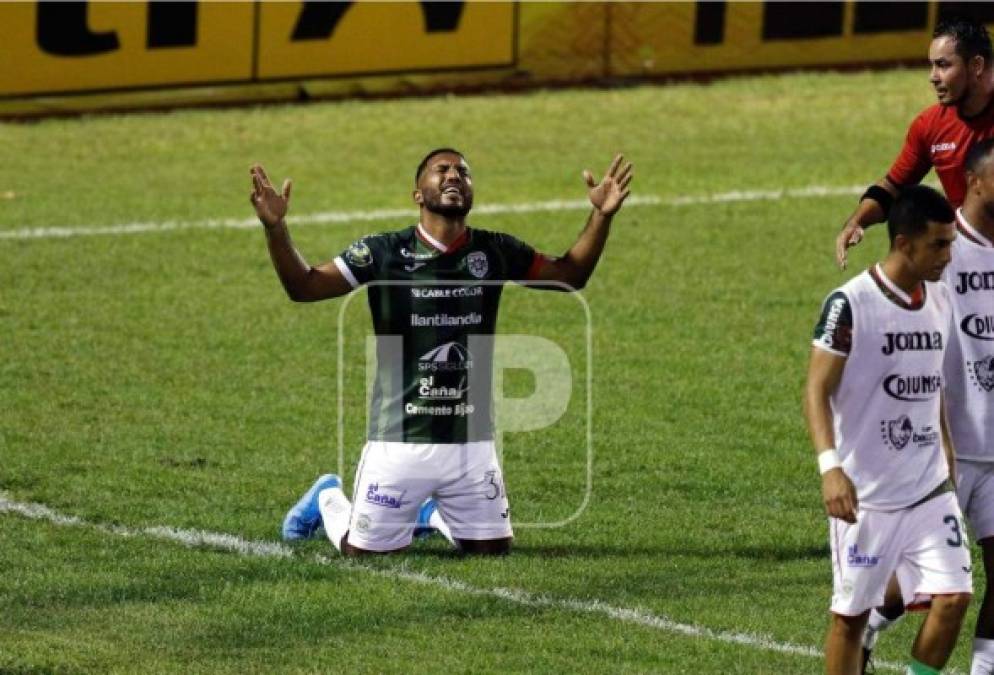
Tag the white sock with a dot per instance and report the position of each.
(435, 520)
(983, 657)
(336, 511)
(876, 624)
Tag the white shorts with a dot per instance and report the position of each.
(975, 489)
(393, 479)
(925, 546)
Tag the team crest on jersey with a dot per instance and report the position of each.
(359, 254)
(897, 432)
(477, 264)
(982, 373)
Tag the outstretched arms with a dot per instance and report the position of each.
(577, 264)
(302, 282)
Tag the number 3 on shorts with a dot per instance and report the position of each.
(954, 524)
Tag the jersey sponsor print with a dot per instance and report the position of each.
(886, 406)
(969, 366)
(434, 311)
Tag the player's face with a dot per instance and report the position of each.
(931, 252)
(949, 74)
(445, 186)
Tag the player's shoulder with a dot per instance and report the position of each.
(858, 287)
(934, 112)
(494, 238)
(385, 242)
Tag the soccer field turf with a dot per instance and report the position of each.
(155, 375)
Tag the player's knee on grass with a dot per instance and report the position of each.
(485, 546)
(350, 551)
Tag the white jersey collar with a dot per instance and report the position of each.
(891, 286)
(972, 233)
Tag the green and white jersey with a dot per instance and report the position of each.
(434, 312)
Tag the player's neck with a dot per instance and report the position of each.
(977, 217)
(897, 271)
(441, 228)
(978, 100)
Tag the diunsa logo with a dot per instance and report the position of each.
(451, 356)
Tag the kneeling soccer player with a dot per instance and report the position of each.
(434, 290)
(873, 405)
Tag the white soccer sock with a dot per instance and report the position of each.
(983, 657)
(435, 520)
(336, 511)
(876, 624)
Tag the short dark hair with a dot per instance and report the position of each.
(978, 154)
(970, 36)
(914, 209)
(424, 162)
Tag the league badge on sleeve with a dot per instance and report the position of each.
(359, 254)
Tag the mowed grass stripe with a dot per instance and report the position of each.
(330, 217)
(263, 549)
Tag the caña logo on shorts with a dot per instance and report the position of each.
(856, 559)
(383, 497)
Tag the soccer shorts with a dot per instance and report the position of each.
(393, 479)
(925, 545)
(975, 489)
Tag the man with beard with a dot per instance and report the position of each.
(874, 409)
(434, 290)
(941, 135)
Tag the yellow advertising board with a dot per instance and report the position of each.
(59, 47)
(77, 56)
(312, 39)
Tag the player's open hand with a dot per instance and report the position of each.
(851, 234)
(608, 195)
(839, 495)
(271, 206)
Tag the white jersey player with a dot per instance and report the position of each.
(968, 388)
(969, 376)
(874, 409)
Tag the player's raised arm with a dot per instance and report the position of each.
(824, 375)
(577, 264)
(302, 282)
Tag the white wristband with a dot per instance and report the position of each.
(828, 460)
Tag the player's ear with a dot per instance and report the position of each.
(902, 243)
(977, 65)
(972, 181)
(418, 199)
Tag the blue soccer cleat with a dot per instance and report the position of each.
(304, 519)
(421, 528)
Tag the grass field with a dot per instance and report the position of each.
(162, 379)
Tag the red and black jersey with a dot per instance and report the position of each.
(939, 137)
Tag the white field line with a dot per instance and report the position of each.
(265, 549)
(327, 217)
